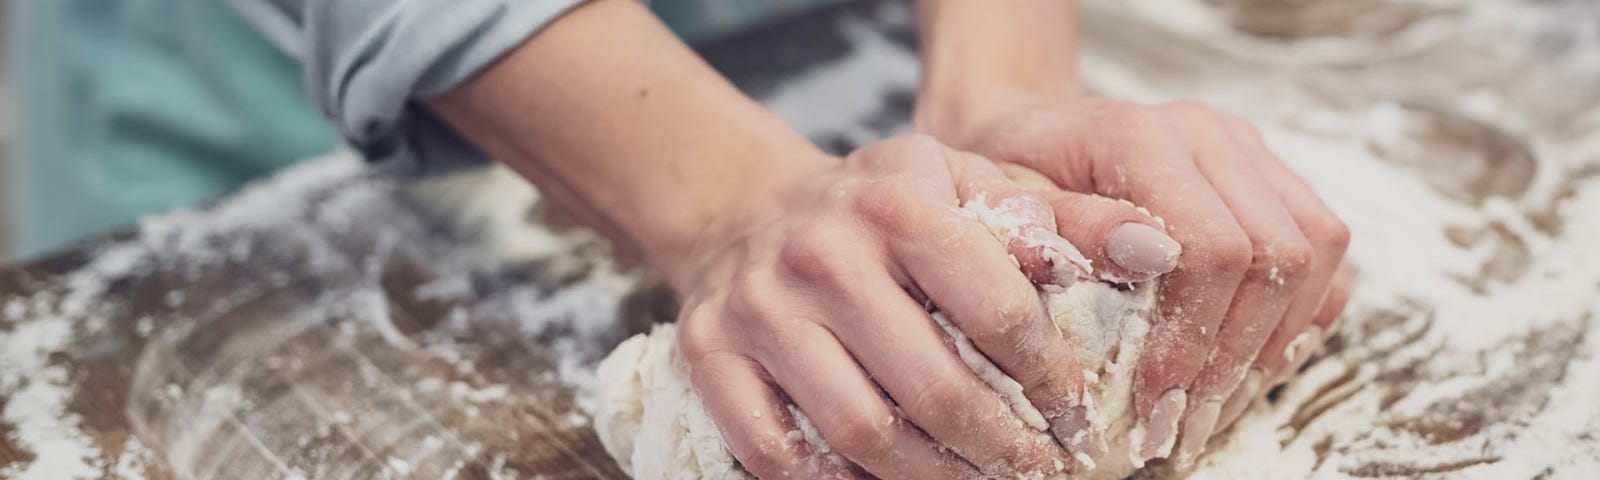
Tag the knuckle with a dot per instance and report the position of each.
(940, 398)
(1223, 252)
(1330, 233)
(886, 203)
(861, 437)
(697, 337)
(764, 453)
(817, 255)
(1012, 315)
(1282, 262)
(754, 296)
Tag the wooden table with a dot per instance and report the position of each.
(222, 378)
(338, 325)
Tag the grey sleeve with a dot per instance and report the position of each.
(365, 62)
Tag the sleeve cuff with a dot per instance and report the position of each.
(369, 60)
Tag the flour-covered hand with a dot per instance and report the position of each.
(1259, 248)
(819, 295)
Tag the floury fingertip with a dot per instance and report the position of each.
(1161, 429)
(1197, 430)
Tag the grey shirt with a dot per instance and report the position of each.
(365, 62)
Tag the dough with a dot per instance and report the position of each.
(654, 425)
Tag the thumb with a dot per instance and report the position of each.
(1020, 217)
(1123, 243)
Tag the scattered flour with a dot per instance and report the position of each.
(36, 394)
(1468, 351)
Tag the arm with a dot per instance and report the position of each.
(985, 60)
(364, 62)
(617, 121)
(793, 265)
(1260, 250)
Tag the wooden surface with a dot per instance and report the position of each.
(239, 381)
(302, 332)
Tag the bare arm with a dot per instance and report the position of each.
(621, 123)
(986, 60)
(794, 266)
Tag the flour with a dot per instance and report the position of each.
(38, 389)
(325, 219)
(36, 393)
(1461, 149)
(1007, 387)
(646, 405)
(1468, 349)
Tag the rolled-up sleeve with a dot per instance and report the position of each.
(365, 62)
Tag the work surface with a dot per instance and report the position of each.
(331, 323)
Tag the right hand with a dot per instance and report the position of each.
(815, 296)
(1256, 289)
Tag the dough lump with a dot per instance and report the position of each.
(652, 422)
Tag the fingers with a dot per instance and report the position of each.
(776, 311)
(1022, 220)
(1322, 326)
(822, 378)
(1296, 337)
(1258, 381)
(1281, 258)
(893, 337)
(967, 275)
(1124, 244)
(945, 255)
(1328, 238)
(1338, 297)
(753, 422)
(1195, 294)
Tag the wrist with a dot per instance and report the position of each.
(625, 128)
(678, 237)
(984, 61)
(958, 113)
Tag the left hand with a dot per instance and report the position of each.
(1254, 290)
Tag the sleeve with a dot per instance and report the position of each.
(364, 62)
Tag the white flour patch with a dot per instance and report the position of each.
(36, 395)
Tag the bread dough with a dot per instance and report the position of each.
(652, 422)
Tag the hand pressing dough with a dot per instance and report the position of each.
(652, 422)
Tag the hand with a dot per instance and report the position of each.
(1250, 297)
(820, 296)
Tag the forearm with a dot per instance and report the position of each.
(984, 60)
(615, 119)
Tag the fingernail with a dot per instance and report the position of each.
(1143, 248)
(1197, 430)
(1161, 429)
(1242, 398)
(1076, 433)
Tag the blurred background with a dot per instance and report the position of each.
(138, 107)
(6, 115)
